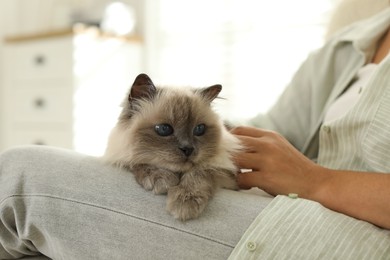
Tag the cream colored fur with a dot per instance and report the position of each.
(162, 163)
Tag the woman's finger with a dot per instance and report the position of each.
(249, 131)
(247, 161)
(250, 143)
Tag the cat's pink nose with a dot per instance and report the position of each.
(187, 150)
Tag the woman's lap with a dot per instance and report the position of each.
(67, 205)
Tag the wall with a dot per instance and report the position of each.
(2, 24)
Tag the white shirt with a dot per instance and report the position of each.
(351, 96)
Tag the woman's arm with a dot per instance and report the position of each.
(278, 168)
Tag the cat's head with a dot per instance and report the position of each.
(171, 128)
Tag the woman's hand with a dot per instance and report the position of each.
(277, 167)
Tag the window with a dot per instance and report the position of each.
(251, 47)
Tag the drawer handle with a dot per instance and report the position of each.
(39, 103)
(39, 60)
(39, 142)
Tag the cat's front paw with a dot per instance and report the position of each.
(156, 180)
(184, 204)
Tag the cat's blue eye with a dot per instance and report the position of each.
(163, 129)
(199, 130)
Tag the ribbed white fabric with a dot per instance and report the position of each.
(302, 229)
(360, 140)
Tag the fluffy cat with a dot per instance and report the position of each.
(174, 144)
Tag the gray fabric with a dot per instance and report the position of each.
(70, 206)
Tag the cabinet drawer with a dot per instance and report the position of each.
(52, 138)
(42, 104)
(41, 58)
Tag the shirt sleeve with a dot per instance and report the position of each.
(290, 115)
(297, 112)
(291, 228)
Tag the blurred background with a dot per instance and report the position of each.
(66, 65)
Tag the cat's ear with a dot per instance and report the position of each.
(210, 93)
(142, 87)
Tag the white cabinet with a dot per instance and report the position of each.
(37, 92)
(64, 90)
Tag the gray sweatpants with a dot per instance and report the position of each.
(63, 205)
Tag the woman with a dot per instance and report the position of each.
(59, 204)
(351, 175)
